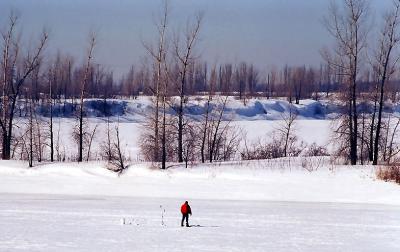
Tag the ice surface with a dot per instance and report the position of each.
(83, 223)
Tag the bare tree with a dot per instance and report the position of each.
(349, 30)
(12, 80)
(385, 66)
(51, 130)
(106, 145)
(164, 116)
(91, 137)
(286, 129)
(214, 132)
(205, 127)
(59, 154)
(120, 161)
(30, 134)
(393, 147)
(112, 150)
(189, 144)
(185, 58)
(86, 74)
(159, 90)
(39, 137)
(372, 127)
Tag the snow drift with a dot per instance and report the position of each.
(267, 180)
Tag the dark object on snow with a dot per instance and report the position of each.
(185, 210)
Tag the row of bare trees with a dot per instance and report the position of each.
(174, 137)
(30, 83)
(363, 78)
(243, 80)
(66, 75)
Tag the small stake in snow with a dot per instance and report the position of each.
(162, 215)
(123, 221)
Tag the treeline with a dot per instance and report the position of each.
(64, 76)
(244, 80)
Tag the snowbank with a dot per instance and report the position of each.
(276, 180)
(135, 110)
(252, 109)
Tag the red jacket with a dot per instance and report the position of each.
(185, 209)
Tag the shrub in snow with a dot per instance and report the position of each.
(112, 150)
(315, 150)
(284, 141)
(270, 150)
(150, 147)
(389, 173)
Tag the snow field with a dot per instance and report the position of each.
(308, 131)
(83, 223)
(266, 205)
(268, 180)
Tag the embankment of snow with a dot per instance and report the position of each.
(275, 180)
(135, 110)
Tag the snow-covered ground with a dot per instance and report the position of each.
(293, 204)
(308, 131)
(92, 223)
(274, 180)
(245, 206)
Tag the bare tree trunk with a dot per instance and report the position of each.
(354, 115)
(90, 142)
(164, 141)
(385, 142)
(8, 38)
(372, 127)
(205, 130)
(30, 156)
(51, 121)
(38, 137)
(83, 85)
(11, 84)
(389, 40)
(216, 130)
(118, 145)
(362, 139)
(185, 59)
(392, 141)
(164, 122)
(108, 142)
(287, 128)
(159, 56)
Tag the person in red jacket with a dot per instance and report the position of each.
(185, 210)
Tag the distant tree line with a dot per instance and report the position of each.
(243, 80)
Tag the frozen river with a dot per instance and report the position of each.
(84, 223)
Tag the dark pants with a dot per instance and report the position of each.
(185, 216)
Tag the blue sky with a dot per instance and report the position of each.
(265, 32)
